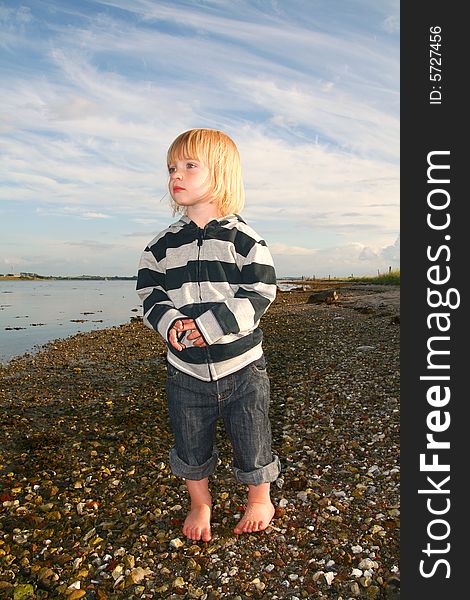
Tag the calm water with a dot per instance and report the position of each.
(35, 312)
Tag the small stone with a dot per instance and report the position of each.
(117, 572)
(193, 565)
(367, 563)
(373, 591)
(77, 594)
(176, 543)
(355, 589)
(138, 574)
(375, 529)
(81, 508)
(329, 577)
(179, 582)
(23, 591)
(89, 534)
(46, 577)
(356, 572)
(259, 585)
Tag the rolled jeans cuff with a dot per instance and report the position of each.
(195, 472)
(266, 474)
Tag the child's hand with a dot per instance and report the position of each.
(185, 325)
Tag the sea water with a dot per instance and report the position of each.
(33, 313)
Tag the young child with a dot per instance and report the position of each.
(205, 282)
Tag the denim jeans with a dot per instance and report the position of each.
(241, 400)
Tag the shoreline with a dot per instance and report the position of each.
(65, 278)
(87, 494)
(34, 345)
(33, 313)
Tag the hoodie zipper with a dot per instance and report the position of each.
(200, 239)
(201, 233)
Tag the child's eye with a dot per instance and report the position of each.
(191, 165)
(171, 169)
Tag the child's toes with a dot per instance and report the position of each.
(249, 526)
(190, 533)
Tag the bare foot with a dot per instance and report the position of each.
(257, 517)
(197, 525)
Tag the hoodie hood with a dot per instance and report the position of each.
(213, 225)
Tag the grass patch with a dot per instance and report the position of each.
(391, 278)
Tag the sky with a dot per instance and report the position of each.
(93, 93)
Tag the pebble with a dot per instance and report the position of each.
(329, 577)
(76, 594)
(367, 563)
(356, 573)
(74, 586)
(23, 591)
(355, 589)
(106, 429)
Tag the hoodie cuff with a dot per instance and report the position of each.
(209, 327)
(167, 321)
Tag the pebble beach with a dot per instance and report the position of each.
(88, 505)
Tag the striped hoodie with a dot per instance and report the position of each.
(222, 276)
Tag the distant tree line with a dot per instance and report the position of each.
(66, 277)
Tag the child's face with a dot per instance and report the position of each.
(189, 182)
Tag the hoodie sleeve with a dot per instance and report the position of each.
(159, 312)
(256, 291)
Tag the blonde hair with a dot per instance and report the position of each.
(220, 154)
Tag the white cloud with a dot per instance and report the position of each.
(313, 109)
(95, 215)
(339, 261)
(285, 249)
(391, 24)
